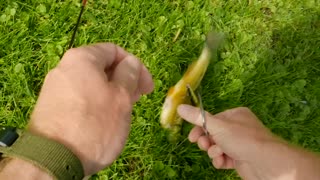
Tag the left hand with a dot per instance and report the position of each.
(86, 102)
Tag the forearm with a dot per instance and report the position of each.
(282, 161)
(20, 169)
(307, 163)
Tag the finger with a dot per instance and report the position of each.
(218, 162)
(127, 74)
(214, 151)
(136, 96)
(195, 134)
(193, 116)
(146, 84)
(204, 143)
(228, 163)
(102, 55)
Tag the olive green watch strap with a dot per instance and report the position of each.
(53, 157)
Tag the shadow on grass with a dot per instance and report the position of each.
(284, 89)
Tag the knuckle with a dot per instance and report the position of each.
(51, 75)
(69, 56)
(244, 109)
(240, 110)
(108, 44)
(73, 52)
(76, 57)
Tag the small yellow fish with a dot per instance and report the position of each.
(178, 94)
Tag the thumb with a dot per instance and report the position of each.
(193, 116)
(127, 74)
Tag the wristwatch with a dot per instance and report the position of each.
(51, 156)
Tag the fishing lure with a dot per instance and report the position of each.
(183, 91)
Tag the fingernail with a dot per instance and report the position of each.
(133, 62)
(149, 81)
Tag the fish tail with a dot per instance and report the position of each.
(213, 41)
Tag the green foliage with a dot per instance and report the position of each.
(269, 62)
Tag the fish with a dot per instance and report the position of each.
(183, 91)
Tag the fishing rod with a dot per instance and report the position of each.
(84, 2)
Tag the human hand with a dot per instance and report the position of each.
(86, 102)
(238, 140)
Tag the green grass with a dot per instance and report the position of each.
(270, 63)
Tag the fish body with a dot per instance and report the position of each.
(178, 94)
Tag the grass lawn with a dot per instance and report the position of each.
(270, 63)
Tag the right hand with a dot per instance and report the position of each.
(238, 140)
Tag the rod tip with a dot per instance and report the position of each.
(84, 2)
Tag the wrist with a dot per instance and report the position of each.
(47, 154)
(277, 161)
(62, 139)
(13, 168)
(280, 160)
(67, 138)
